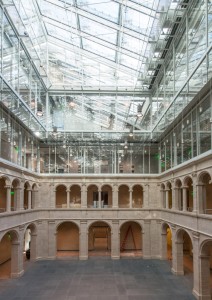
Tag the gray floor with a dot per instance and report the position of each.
(98, 279)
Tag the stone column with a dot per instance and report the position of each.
(184, 198)
(173, 198)
(177, 254)
(200, 198)
(83, 241)
(130, 191)
(18, 198)
(176, 198)
(196, 265)
(162, 198)
(68, 198)
(34, 199)
(204, 279)
(33, 247)
(8, 206)
(195, 194)
(29, 198)
(99, 198)
(52, 240)
(146, 242)
(115, 240)
(115, 196)
(16, 259)
(167, 198)
(84, 196)
(163, 245)
(146, 196)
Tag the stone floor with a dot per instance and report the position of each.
(98, 279)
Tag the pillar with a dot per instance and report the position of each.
(52, 240)
(146, 196)
(177, 254)
(196, 265)
(163, 245)
(204, 292)
(83, 241)
(146, 239)
(200, 198)
(167, 198)
(99, 198)
(8, 206)
(184, 198)
(84, 195)
(29, 192)
(195, 194)
(176, 198)
(33, 247)
(115, 240)
(16, 259)
(18, 199)
(130, 191)
(115, 196)
(68, 198)
(162, 198)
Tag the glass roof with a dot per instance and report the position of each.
(103, 60)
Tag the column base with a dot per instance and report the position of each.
(16, 275)
(115, 256)
(177, 272)
(83, 257)
(200, 297)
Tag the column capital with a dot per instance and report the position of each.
(147, 221)
(28, 190)
(195, 235)
(7, 186)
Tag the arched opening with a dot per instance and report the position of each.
(131, 240)
(29, 249)
(75, 196)
(3, 196)
(99, 239)
(137, 196)
(61, 196)
(93, 196)
(15, 195)
(67, 240)
(123, 196)
(184, 253)
(188, 185)
(205, 260)
(166, 252)
(179, 194)
(34, 196)
(9, 253)
(169, 195)
(205, 194)
(106, 196)
(27, 196)
(163, 196)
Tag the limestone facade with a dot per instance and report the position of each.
(179, 200)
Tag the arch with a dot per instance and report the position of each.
(16, 183)
(60, 184)
(3, 195)
(188, 193)
(131, 239)
(93, 195)
(106, 195)
(166, 241)
(15, 194)
(30, 239)
(168, 185)
(203, 177)
(34, 187)
(123, 196)
(205, 193)
(75, 196)
(162, 186)
(61, 196)
(67, 241)
(137, 196)
(184, 251)
(10, 254)
(178, 194)
(63, 221)
(7, 180)
(99, 238)
(204, 287)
